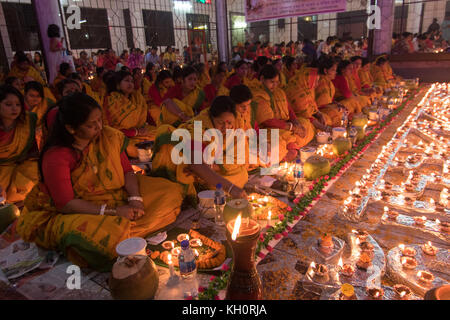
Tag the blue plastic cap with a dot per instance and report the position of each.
(219, 186)
(185, 244)
(297, 161)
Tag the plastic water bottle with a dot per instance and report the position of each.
(298, 175)
(219, 204)
(188, 270)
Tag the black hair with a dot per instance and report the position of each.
(6, 90)
(21, 57)
(200, 67)
(240, 93)
(220, 105)
(262, 61)
(75, 76)
(177, 73)
(62, 84)
(74, 110)
(10, 80)
(99, 70)
(355, 58)
(53, 31)
(64, 67)
(136, 70)
(34, 85)
(365, 61)
(288, 61)
(239, 64)
(148, 69)
(188, 71)
(268, 72)
(162, 75)
(113, 81)
(342, 65)
(380, 61)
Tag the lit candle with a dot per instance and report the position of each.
(169, 257)
(269, 217)
(237, 225)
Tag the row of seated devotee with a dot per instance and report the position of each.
(65, 148)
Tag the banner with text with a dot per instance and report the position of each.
(258, 10)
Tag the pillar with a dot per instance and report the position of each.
(48, 12)
(222, 30)
(383, 36)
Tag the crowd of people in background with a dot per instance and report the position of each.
(65, 146)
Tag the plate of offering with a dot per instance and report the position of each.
(262, 205)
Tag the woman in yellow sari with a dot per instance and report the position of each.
(18, 150)
(380, 73)
(85, 87)
(125, 109)
(98, 85)
(221, 116)
(64, 72)
(22, 69)
(141, 83)
(89, 198)
(301, 97)
(204, 77)
(325, 92)
(36, 102)
(156, 93)
(273, 112)
(367, 80)
(182, 102)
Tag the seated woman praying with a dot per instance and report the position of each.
(233, 176)
(18, 148)
(343, 89)
(126, 109)
(89, 199)
(156, 93)
(273, 112)
(183, 101)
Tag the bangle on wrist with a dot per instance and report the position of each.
(136, 132)
(102, 209)
(290, 126)
(137, 198)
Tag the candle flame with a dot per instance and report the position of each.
(419, 274)
(377, 294)
(429, 243)
(340, 263)
(357, 241)
(169, 257)
(173, 245)
(270, 214)
(424, 218)
(437, 221)
(386, 209)
(401, 246)
(354, 231)
(266, 199)
(237, 225)
(402, 294)
(196, 252)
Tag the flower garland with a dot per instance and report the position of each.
(304, 202)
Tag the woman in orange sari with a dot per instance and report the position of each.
(325, 92)
(64, 72)
(380, 73)
(125, 109)
(343, 89)
(18, 149)
(89, 199)
(301, 97)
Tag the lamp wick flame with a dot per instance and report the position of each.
(237, 225)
